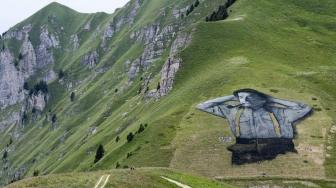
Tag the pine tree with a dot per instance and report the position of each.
(130, 137)
(158, 86)
(117, 165)
(20, 56)
(36, 172)
(141, 128)
(197, 3)
(72, 96)
(5, 155)
(191, 8)
(117, 139)
(61, 74)
(26, 86)
(54, 118)
(99, 153)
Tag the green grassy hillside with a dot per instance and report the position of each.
(283, 48)
(146, 178)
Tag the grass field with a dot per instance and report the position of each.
(146, 178)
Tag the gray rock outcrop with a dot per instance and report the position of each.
(133, 71)
(27, 63)
(91, 59)
(38, 101)
(87, 26)
(44, 54)
(118, 22)
(171, 67)
(50, 76)
(11, 81)
(74, 41)
(18, 34)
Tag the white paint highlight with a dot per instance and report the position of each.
(176, 182)
(102, 181)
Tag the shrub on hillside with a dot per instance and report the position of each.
(54, 118)
(72, 96)
(36, 172)
(26, 86)
(117, 165)
(141, 128)
(99, 153)
(196, 3)
(190, 9)
(20, 56)
(158, 87)
(221, 13)
(130, 137)
(41, 86)
(61, 74)
(5, 155)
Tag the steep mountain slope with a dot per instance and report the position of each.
(129, 68)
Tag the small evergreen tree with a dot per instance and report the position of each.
(54, 118)
(99, 153)
(20, 56)
(191, 8)
(34, 110)
(36, 172)
(130, 137)
(24, 118)
(117, 165)
(10, 141)
(61, 74)
(41, 86)
(128, 155)
(5, 155)
(117, 139)
(158, 86)
(72, 96)
(26, 86)
(141, 129)
(116, 90)
(197, 3)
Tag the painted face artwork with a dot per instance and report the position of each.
(243, 99)
(258, 118)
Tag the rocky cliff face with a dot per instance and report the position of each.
(74, 42)
(156, 40)
(27, 63)
(119, 21)
(91, 59)
(18, 33)
(44, 50)
(11, 81)
(38, 101)
(171, 66)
